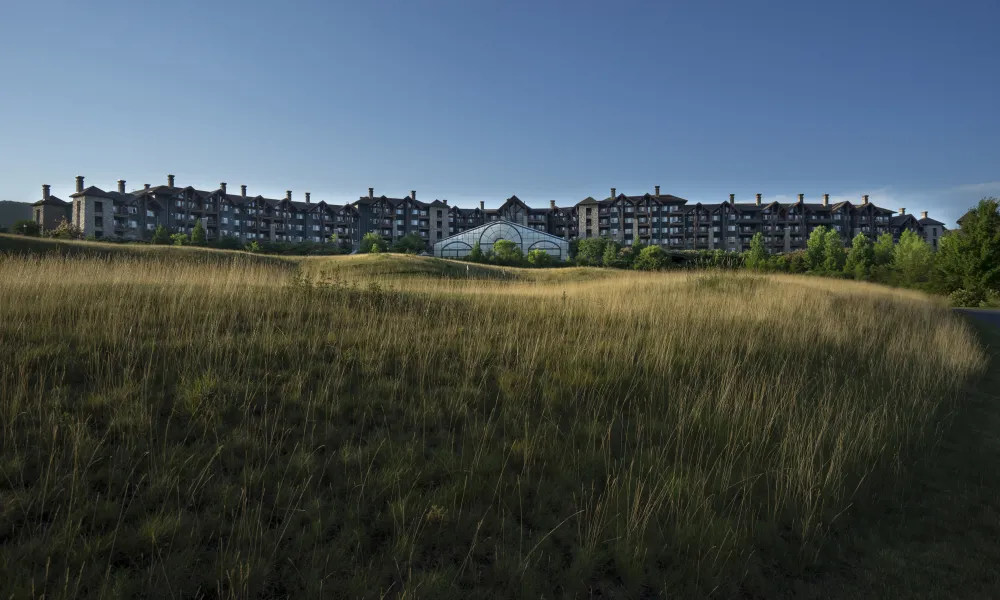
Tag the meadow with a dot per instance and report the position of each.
(219, 425)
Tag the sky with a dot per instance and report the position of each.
(471, 100)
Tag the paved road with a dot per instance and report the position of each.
(988, 315)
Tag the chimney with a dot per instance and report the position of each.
(864, 199)
(482, 205)
(802, 197)
(758, 199)
(902, 211)
(170, 180)
(612, 193)
(79, 183)
(413, 194)
(45, 191)
(288, 195)
(222, 186)
(552, 204)
(732, 198)
(145, 186)
(923, 215)
(121, 186)
(307, 198)
(445, 202)
(826, 199)
(243, 191)
(657, 188)
(371, 193)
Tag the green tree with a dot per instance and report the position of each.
(180, 239)
(26, 227)
(913, 261)
(253, 247)
(539, 258)
(590, 251)
(65, 231)
(833, 250)
(372, 243)
(816, 249)
(506, 252)
(161, 236)
(410, 243)
(756, 257)
(612, 255)
(884, 250)
(198, 237)
(650, 258)
(476, 254)
(969, 258)
(861, 257)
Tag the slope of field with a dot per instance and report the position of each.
(362, 426)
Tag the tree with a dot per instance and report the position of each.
(884, 250)
(816, 248)
(506, 252)
(756, 258)
(252, 247)
(372, 243)
(410, 243)
(539, 258)
(26, 227)
(612, 255)
(65, 231)
(160, 236)
(833, 249)
(476, 254)
(861, 257)
(650, 258)
(180, 239)
(198, 237)
(590, 251)
(914, 260)
(969, 258)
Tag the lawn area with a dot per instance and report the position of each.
(368, 426)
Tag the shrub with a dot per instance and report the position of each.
(966, 298)
(26, 227)
(651, 258)
(66, 231)
(506, 252)
(590, 251)
(161, 236)
(539, 258)
(410, 243)
(198, 237)
(372, 243)
(476, 254)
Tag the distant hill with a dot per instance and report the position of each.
(11, 212)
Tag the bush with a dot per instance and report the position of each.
(410, 243)
(966, 298)
(506, 252)
(539, 258)
(476, 255)
(651, 258)
(180, 239)
(161, 236)
(66, 231)
(372, 243)
(198, 237)
(26, 227)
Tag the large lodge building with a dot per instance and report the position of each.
(651, 218)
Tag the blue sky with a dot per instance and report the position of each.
(477, 100)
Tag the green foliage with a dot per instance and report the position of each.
(651, 258)
(65, 231)
(574, 246)
(26, 227)
(969, 258)
(884, 250)
(198, 237)
(161, 236)
(833, 252)
(590, 251)
(861, 257)
(612, 256)
(914, 261)
(756, 258)
(228, 242)
(816, 249)
(253, 247)
(539, 258)
(476, 254)
(180, 239)
(506, 252)
(372, 243)
(410, 243)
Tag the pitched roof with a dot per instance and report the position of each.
(51, 201)
(930, 221)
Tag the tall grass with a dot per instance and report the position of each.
(242, 428)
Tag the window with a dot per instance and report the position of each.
(732, 228)
(98, 207)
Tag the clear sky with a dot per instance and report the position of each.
(473, 100)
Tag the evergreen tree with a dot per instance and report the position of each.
(476, 254)
(198, 237)
(756, 257)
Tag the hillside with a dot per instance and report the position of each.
(11, 212)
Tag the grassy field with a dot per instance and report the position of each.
(222, 425)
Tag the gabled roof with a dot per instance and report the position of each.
(902, 220)
(91, 191)
(51, 201)
(930, 221)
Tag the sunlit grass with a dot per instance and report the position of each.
(353, 426)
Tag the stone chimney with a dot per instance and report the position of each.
(613, 193)
(45, 191)
(371, 193)
(413, 194)
(308, 200)
(145, 186)
(222, 186)
(657, 188)
(826, 199)
(445, 202)
(758, 199)
(864, 199)
(732, 198)
(79, 183)
(552, 204)
(170, 180)
(482, 205)
(923, 215)
(243, 191)
(288, 195)
(902, 211)
(802, 197)
(121, 186)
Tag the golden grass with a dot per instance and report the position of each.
(254, 429)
